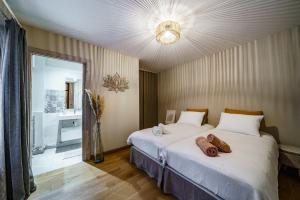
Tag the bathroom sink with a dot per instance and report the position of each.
(69, 115)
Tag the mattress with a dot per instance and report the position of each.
(154, 145)
(248, 172)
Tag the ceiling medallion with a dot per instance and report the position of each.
(168, 32)
(115, 83)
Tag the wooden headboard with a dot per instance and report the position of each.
(243, 112)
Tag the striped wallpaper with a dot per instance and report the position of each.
(259, 75)
(116, 123)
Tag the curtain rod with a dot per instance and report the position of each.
(11, 12)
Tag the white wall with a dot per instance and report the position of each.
(38, 91)
(119, 117)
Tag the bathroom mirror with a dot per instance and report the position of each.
(69, 95)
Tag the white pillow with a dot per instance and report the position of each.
(194, 118)
(246, 124)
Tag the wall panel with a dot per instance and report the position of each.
(259, 75)
(148, 99)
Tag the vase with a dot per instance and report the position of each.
(98, 148)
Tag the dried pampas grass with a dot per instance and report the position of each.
(96, 102)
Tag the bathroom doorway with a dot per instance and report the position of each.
(56, 133)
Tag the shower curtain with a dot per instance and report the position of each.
(16, 175)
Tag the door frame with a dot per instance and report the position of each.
(86, 84)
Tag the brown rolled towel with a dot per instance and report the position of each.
(222, 146)
(207, 148)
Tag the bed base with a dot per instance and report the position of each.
(168, 179)
(183, 188)
(143, 161)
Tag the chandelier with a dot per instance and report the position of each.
(168, 32)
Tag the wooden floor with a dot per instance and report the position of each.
(116, 179)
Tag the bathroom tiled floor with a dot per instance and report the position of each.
(50, 160)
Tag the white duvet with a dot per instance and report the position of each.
(248, 172)
(154, 145)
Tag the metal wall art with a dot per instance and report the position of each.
(115, 83)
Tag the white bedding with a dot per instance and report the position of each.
(153, 145)
(249, 172)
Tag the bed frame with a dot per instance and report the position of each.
(168, 179)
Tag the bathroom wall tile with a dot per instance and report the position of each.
(54, 101)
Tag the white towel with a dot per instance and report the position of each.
(164, 128)
(158, 131)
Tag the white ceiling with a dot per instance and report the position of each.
(128, 26)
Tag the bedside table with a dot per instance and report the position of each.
(290, 156)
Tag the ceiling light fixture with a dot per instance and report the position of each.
(168, 32)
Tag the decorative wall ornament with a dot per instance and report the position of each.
(115, 83)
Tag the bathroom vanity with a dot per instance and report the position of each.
(69, 129)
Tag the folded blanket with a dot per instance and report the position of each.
(206, 147)
(222, 146)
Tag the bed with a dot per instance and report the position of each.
(248, 172)
(154, 145)
(148, 150)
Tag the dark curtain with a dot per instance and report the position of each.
(16, 111)
(2, 155)
(148, 99)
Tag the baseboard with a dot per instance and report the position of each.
(111, 151)
(117, 149)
